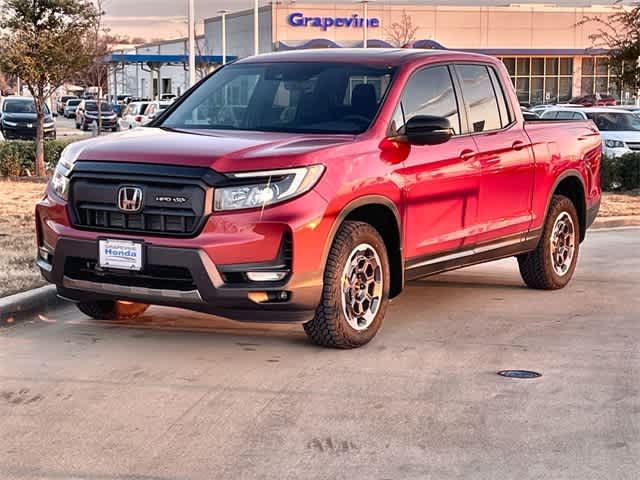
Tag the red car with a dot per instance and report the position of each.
(597, 100)
(309, 186)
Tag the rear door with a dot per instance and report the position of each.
(504, 156)
(441, 181)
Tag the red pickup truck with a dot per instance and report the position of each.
(309, 186)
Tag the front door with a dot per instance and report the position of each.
(441, 181)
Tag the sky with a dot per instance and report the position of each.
(164, 19)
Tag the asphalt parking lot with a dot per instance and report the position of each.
(179, 395)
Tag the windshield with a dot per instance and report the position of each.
(615, 121)
(22, 106)
(93, 107)
(73, 103)
(286, 97)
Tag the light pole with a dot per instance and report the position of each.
(256, 43)
(223, 13)
(192, 44)
(365, 25)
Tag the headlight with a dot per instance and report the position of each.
(259, 189)
(9, 124)
(60, 180)
(615, 144)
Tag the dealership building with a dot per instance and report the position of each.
(546, 48)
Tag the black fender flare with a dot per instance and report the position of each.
(572, 172)
(351, 207)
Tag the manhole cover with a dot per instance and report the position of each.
(519, 374)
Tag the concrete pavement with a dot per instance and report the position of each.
(179, 395)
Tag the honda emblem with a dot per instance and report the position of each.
(130, 199)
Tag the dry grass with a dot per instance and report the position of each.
(17, 231)
(17, 236)
(620, 205)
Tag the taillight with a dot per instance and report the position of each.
(139, 118)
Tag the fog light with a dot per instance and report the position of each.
(269, 297)
(266, 276)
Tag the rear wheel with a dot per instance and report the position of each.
(552, 264)
(355, 294)
(112, 309)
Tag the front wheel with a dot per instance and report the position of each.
(552, 264)
(355, 293)
(112, 309)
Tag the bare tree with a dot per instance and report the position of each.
(97, 42)
(619, 35)
(403, 32)
(39, 44)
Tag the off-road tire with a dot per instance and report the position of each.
(536, 266)
(112, 310)
(329, 327)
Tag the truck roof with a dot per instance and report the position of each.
(387, 56)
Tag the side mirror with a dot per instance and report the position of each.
(428, 130)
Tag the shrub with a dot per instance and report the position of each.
(609, 177)
(629, 171)
(17, 157)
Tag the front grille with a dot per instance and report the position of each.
(154, 276)
(95, 206)
(633, 145)
(178, 222)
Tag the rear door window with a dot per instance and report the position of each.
(428, 92)
(564, 116)
(480, 98)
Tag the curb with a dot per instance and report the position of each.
(30, 300)
(616, 222)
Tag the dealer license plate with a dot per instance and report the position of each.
(121, 254)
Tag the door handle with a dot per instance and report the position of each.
(467, 154)
(518, 145)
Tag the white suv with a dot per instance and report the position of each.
(620, 129)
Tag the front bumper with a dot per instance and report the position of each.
(205, 290)
(106, 122)
(26, 133)
(615, 152)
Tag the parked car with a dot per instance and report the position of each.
(18, 119)
(540, 109)
(313, 194)
(528, 114)
(117, 108)
(630, 108)
(71, 107)
(153, 110)
(620, 129)
(62, 102)
(133, 115)
(87, 114)
(595, 100)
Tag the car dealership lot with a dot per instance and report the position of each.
(179, 395)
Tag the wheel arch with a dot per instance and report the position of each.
(571, 185)
(382, 214)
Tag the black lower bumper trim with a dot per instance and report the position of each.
(211, 294)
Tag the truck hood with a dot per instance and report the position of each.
(223, 151)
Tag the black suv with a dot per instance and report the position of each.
(87, 114)
(18, 119)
